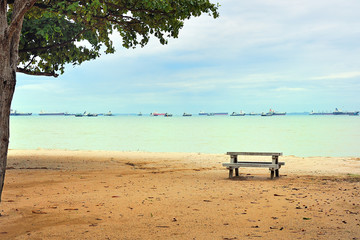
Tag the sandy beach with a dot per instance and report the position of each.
(59, 194)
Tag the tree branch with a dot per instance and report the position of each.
(16, 19)
(33, 57)
(22, 70)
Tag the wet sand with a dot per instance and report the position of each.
(56, 194)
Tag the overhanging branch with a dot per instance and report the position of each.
(48, 74)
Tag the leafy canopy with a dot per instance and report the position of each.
(53, 29)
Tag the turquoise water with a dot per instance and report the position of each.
(300, 135)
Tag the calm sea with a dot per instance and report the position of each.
(300, 135)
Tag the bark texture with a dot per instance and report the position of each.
(9, 45)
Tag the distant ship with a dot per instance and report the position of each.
(42, 113)
(187, 115)
(268, 114)
(320, 113)
(339, 112)
(201, 113)
(168, 115)
(218, 113)
(139, 114)
(253, 114)
(16, 113)
(86, 114)
(272, 113)
(108, 114)
(336, 112)
(155, 114)
(237, 114)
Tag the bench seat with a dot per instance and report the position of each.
(273, 166)
(254, 164)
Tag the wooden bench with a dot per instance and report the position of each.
(273, 166)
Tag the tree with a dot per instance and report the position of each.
(40, 37)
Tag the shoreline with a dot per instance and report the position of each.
(57, 194)
(316, 165)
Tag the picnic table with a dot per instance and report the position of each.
(273, 166)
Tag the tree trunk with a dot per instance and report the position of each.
(7, 81)
(9, 54)
(7, 87)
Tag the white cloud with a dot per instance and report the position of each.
(338, 76)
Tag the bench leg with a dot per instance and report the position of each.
(277, 173)
(237, 172)
(231, 172)
(272, 174)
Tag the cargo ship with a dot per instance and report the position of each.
(108, 114)
(16, 113)
(279, 113)
(42, 113)
(336, 112)
(218, 113)
(339, 112)
(253, 114)
(155, 114)
(212, 114)
(237, 114)
(320, 113)
(273, 113)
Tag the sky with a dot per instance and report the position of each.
(292, 56)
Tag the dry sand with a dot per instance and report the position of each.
(55, 194)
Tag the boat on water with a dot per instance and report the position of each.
(168, 115)
(86, 114)
(268, 114)
(201, 113)
(241, 113)
(356, 113)
(187, 115)
(340, 112)
(42, 113)
(16, 113)
(91, 114)
(253, 114)
(108, 114)
(336, 112)
(155, 114)
(139, 114)
(218, 113)
(272, 113)
(279, 113)
(320, 113)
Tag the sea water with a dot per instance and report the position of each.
(300, 135)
